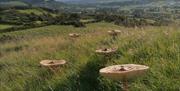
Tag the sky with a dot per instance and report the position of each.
(66, 0)
(70, 0)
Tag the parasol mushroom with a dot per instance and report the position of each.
(74, 35)
(106, 51)
(52, 64)
(123, 72)
(114, 32)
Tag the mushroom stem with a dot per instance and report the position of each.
(114, 37)
(53, 69)
(125, 85)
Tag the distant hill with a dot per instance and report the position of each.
(40, 3)
(79, 4)
(91, 1)
(122, 2)
(12, 3)
(126, 4)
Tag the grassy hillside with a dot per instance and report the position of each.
(22, 51)
(35, 3)
(4, 26)
(35, 11)
(12, 4)
(23, 18)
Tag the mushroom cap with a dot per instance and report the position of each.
(106, 50)
(114, 32)
(74, 35)
(123, 72)
(117, 31)
(52, 63)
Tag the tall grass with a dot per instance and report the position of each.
(4, 26)
(156, 47)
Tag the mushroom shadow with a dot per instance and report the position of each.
(88, 78)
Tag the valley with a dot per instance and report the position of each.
(148, 33)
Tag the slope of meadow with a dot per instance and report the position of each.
(21, 52)
(35, 11)
(5, 26)
(12, 3)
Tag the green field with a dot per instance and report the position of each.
(35, 11)
(156, 47)
(13, 3)
(3, 26)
